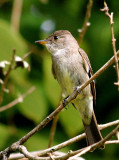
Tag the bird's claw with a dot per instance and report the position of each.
(64, 103)
(77, 88)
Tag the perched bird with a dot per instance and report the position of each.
(71, 67)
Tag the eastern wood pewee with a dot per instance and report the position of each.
(71, 67)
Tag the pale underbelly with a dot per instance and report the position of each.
(84, 100)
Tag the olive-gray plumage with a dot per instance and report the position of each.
(71, 67)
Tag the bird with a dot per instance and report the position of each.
(71, 67)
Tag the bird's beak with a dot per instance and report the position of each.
(41, 41)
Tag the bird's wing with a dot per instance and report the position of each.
(89, 70)
(53, 71)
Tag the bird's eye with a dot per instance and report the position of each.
(55, 37)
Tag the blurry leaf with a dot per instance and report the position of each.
(19, 78)
(38, 142)
(110, 152)
(71, 121)
(52, 87)
(74, 7)
(9, 39)
(34, 106)
(4, 134)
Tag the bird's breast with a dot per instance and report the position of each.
(66, 71)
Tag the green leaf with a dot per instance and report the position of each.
(9, 39)
(34, 106)
(4, 135)
(38, 141)
(52, 87)
(74, 7)
(71, 121)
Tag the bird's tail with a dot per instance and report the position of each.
(93, 134)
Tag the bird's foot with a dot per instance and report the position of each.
(77, 88)
(64, 103)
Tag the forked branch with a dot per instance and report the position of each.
(106, 10)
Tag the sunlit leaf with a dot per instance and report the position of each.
(34, 106)
(9, 39)
(40, 140)
(4, 135)
(71, 121)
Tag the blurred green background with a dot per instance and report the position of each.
(37, 20)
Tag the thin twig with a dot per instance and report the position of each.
(106, 10)
(54, 113)
(52, 158)
(62, 145)
(34, 156)
(103, 126)
(7, 76)
(68, 142)
(86, 23)
(54, 125)
(112, 142)
(16, 14)
(27, 154)
(18, 100)
(117, 134)
(98, 144)
(71, 154)
(116, 83)
(75, 139)
(26, 55)
(11, 67)
(53, 129)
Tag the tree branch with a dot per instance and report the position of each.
(54, 125)
(16, 14)
(72, 154)
(103, 126)
(66, 143)
(112, 142)
(106, 10)
(86, 23)
(16, 101)
(94, 146)
(53, 129)
(75, 139)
